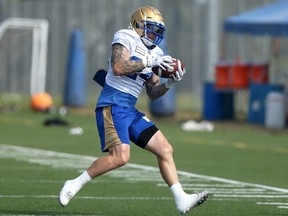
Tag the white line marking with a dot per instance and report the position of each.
(31, 181)
(223, 189)
(86, 197)
(65, 160)
(233, 182)
(250, 196)
(208, 185)
(272, 203)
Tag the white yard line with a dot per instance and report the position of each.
(221, 188)
(272, 203)
(86, 197)
(65, 160)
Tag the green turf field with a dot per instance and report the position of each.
(244, 166)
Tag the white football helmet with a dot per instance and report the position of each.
(148, 20)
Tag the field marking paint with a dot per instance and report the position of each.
(250, 196)
(221, 188)
(234, 182)
(86, 197)
(133, 198)
(272, 203)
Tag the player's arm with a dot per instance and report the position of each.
(121, 63)
(154, 88)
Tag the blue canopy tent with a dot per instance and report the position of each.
(271, 19)
(268, 20)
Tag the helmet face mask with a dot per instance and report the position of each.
(157, 29)
(149, 24)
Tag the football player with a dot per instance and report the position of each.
(134, 52)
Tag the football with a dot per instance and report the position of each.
(167, 73)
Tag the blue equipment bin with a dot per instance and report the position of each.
(257, 108)
(218, 105)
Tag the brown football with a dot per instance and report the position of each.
(167, 73)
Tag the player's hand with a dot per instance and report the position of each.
(175, 78)
(179, 74)
(156, 60)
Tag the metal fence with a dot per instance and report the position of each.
(187, 37)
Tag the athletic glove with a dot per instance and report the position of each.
(175, 78)
(155, 60)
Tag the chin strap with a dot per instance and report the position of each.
(149, 47)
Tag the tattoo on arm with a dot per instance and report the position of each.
(120, 61)
(154, 88)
